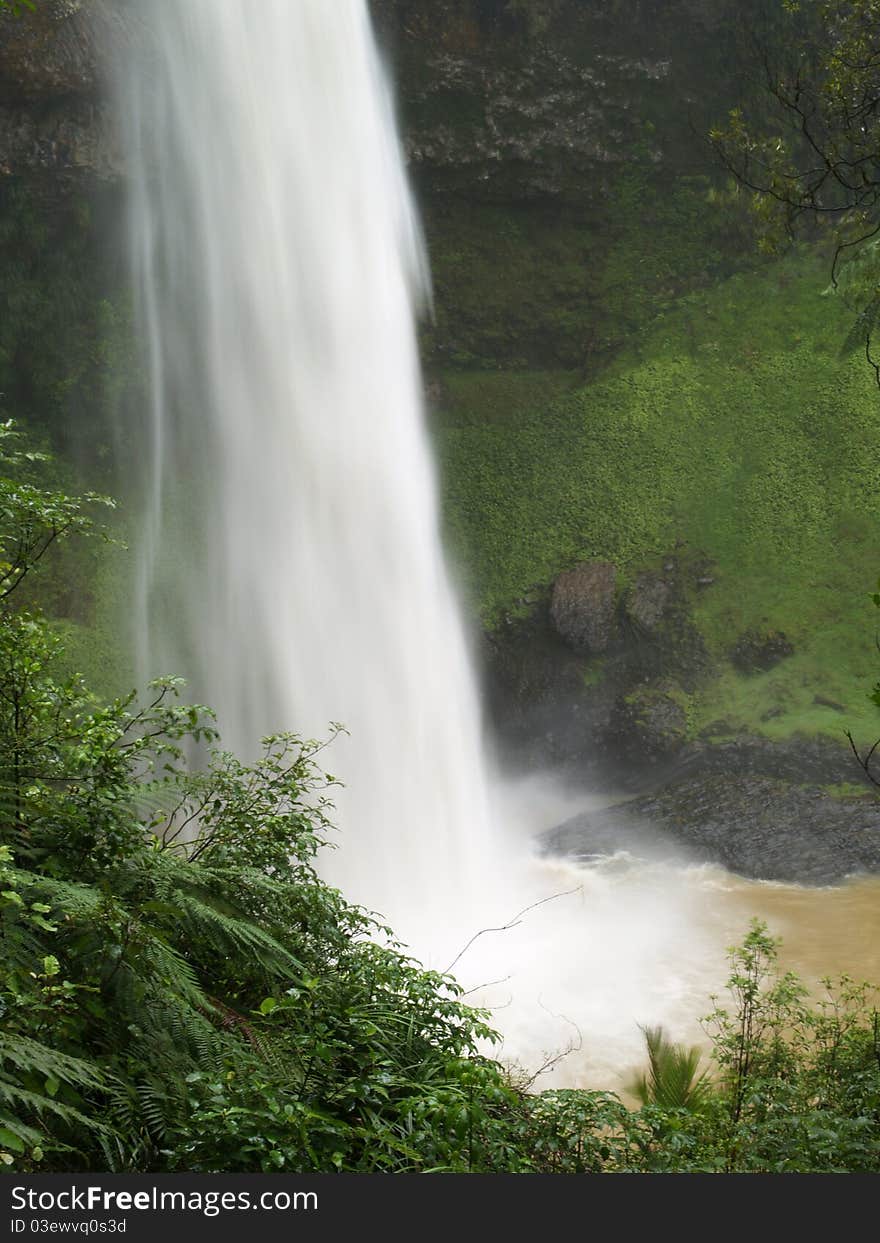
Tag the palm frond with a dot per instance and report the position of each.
(672, 1079)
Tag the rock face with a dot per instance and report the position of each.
(757, 827)
(541, 127)
(649, 725)
(498, 99)
(52, 117)
(798, 761)
(49, 51)
(757, 651)
(597, 682)
(73, 139)
(512, 100)
(648, 601)
(582, 606)
(748, 804)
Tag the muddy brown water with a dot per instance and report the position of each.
(642, 943)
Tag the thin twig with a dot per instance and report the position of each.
(488, 984)
(557, 1057)
(864, 761)
(513, 923)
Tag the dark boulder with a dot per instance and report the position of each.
(648, 602)
(648, 725)
(582, 606)
(756, 651)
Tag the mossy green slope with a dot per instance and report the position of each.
(735, 429)
(560, 284)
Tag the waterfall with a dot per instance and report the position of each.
(289, 555)
(290, 559)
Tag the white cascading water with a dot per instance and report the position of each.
(291, 564)
(290, 559)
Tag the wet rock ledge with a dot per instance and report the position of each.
(758, 827)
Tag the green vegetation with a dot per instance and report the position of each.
(847, 789)
(673, 1078)
(537, 285)
(180, 991)
(67, 367)
(806, 146)
(732, 430)
(67, 356)
(796, 1082)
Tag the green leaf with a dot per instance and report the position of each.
(10, 1140)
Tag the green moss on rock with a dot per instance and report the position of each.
(734, 430)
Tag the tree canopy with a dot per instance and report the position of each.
(808, 146)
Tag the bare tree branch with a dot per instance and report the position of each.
(512, 923)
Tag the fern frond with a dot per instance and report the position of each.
(234, 934)
(171, 970)
(13, 1094)
(155, 1102)
(189, 1034)
(32, 1057)
(73, 899)
(28, 1135)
